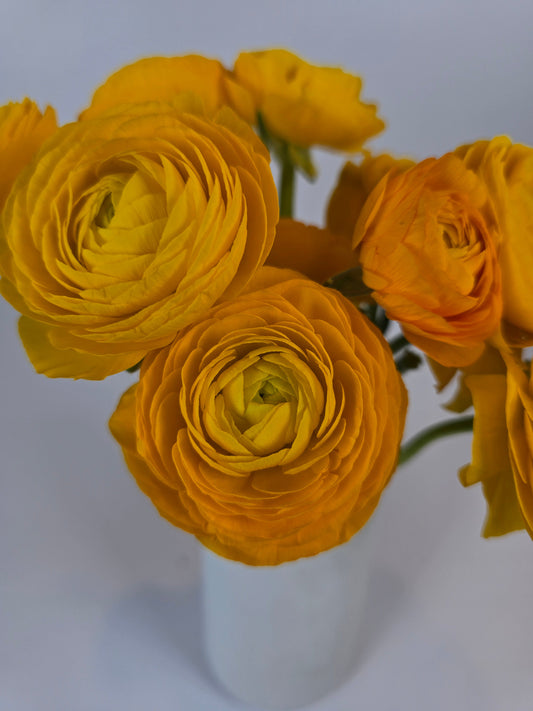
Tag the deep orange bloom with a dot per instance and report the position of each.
(427, 242)
(506, 169)
(354, 184)
(270, 428)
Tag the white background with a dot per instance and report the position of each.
(99, 597)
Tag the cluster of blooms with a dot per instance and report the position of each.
(269, 410)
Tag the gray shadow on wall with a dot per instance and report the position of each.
(152, 639)
(385, 600)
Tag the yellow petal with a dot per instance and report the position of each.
(160, 79)
(23, 129)
(503, 510)
(490, 455)
(67, 362)
(306, 104)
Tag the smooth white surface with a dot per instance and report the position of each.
(284, 636)
(99, 597)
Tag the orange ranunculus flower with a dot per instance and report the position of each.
(427, 244)
(305, 104)
(354, 185)
(269, 428)
(23, 128)
(315, 252)
(127, 228)
(164, 78)
(507, 171)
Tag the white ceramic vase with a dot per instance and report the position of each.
(281, 637)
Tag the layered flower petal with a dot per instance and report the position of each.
(354, 184)
(128, 227)
(427, 242)
(507, 171)
(269, 428)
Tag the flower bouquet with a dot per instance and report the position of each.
(268, 407)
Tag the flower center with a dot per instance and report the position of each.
(265, 390)
(269, 394)
(265, 405)
(258, 407)
(106, 212)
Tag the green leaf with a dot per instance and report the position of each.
(408, 360)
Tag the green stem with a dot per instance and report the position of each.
(263, 132)
(397, 343)
(381, 320)
(407, 360)
(432, 433)
(286, 192)
(369, 311)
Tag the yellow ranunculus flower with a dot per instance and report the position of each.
(427, 244)
(164, 78)
(507, 170)
(269, 428)
(23, 128)
(127, 228)
(354, 185)
(317, 253)
(306, 104)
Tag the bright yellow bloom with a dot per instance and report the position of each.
(269, 428)
(165, 78)
(507, 171)
(427, 244)
(306, 104)
(23, 129)
(127, 228)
